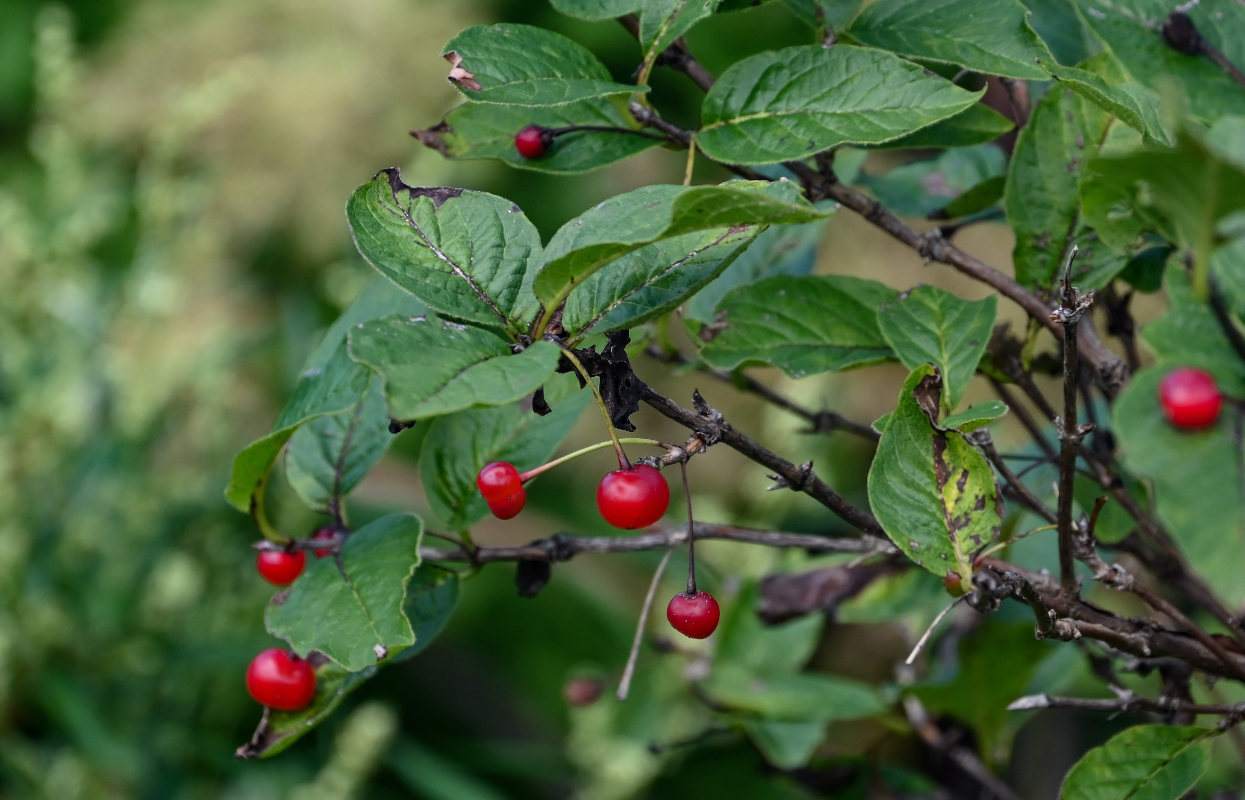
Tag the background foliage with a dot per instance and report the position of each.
(173, 238)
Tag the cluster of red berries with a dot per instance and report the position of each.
(627, 498)
(1190, 398)
(278, 678)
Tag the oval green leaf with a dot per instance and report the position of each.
(792, 103)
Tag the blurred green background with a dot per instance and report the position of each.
(172, 242)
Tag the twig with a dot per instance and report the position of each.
(1220, 310)
(920, 643)
(624, 685)
(800, 478)
(563, 547)
(1014, 484)
(1072, 307)
(1124, 703)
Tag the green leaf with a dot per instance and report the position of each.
(989, 36)
(663, 21)
(1186, 191)
(468, 255)
(1050, 159)
(432, 366)
(980, 197)
(596, 9)
(1227, 265)
(1197, 477)
(745, 642)
(1128, 29)
(791, 697)
(978, 124)
(524, 65)
(478, 130)
(329, 455)
(801, 325)
(817, 14)
(988, 671)
(780, 250)
(648, 282)
(932, 491)
(430, 598)
(793, 103)
(1144, 762)
(350, 608)
(786, 745)
(930, 325)
(920, 188)
(330, 382)
(1134, 105)
(1189, 334)
(627, 222)
(975, 416)
(459, 445)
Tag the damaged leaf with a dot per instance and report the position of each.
(933, 492)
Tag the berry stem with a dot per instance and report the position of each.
(532, 473)
(623, 462)
(607, 129)
(691, 535)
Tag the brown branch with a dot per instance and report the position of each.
(801, 478)
(1072, 308)
(563, 547)
(1140, 637)
(1127, 701)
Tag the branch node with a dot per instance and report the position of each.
(803, 482)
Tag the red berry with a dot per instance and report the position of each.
(280, 567)
(326, 535)
(633, 498)
(695, 616)
(533, 141)
(1190, 398)
(280, 679)
(503, 491)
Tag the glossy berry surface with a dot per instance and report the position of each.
(533, 141)
(326, 535)
(1190, 398)
(633, 498)
(281, 680)
(695, 616)
(503, 491)
(279, 567)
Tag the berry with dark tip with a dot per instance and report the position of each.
(695, 616)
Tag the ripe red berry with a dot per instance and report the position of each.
(633, 498)
(533, 141)
(1190, 398)
(279, 567)
(326, 535)
(695, 616)
(280, 679)
(502, 489)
